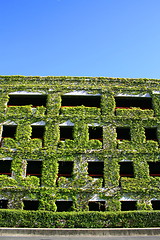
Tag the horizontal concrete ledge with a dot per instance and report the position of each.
(80, 231)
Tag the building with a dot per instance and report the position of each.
(77, 143)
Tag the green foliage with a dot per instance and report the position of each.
(47, 219)
(80, 187)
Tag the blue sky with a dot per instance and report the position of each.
(110, 38)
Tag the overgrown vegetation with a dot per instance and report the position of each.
(48, 187)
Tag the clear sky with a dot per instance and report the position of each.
(110, 38)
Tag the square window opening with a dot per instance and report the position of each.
(64, 206)
(34, 168)
(66, 132)
(87, 101)
(22, 100)
(37, 132)
(9, 131)
(123, 133)
(97, 206)
(151, 134)
(5, 167)
(30, 205)
(95, 169)
(128, 205)
(154, 169)
(155, 204)
(65, 169)
(126, 169)
(95, 133)
(3, 204)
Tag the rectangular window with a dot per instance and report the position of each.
(126, 169)
(9, 131)
(138, 102)
(34, 168)
(65, 169)
(22, 100)
(3, 204)
(154, 169)
(128, 205)
(123, 133)
(64, 206)
(5, 167)
(87, 101)
(30, 204)
(95, 169)
(95, 133)
(97, 206)
(38, 132)
(151, 134)
(66, 132)
(155, 204)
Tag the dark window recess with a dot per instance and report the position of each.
(95, 169)
(97, 206)
(151, 134)
(123, 133)
(22, 100)
(64, 206)
(154, 169)
(128, 102)
(87, 101)
(3, 204)
(128, 205)
(95, 133)
(9, 131)
(66, 132)
(30, 205)
(65, 169)
(5, 167)
(34, 168)
(37, 132)
(126, 169)
(155, 204)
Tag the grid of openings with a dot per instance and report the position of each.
(96, 133)
(30, 205)
(123, 133)
(34, 168)
(154, 169)
(151, 134)
(128, 205)
(64, 206)
(22, 100)
(96, 206)
(87, 101)
(5, 167)
(65, 169)
(3, 204)
(66, 132)
(139, 102)
(126, 169)
(155, 204)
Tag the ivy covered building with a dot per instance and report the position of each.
(79, 144)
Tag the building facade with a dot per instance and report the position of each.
(79, 144)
